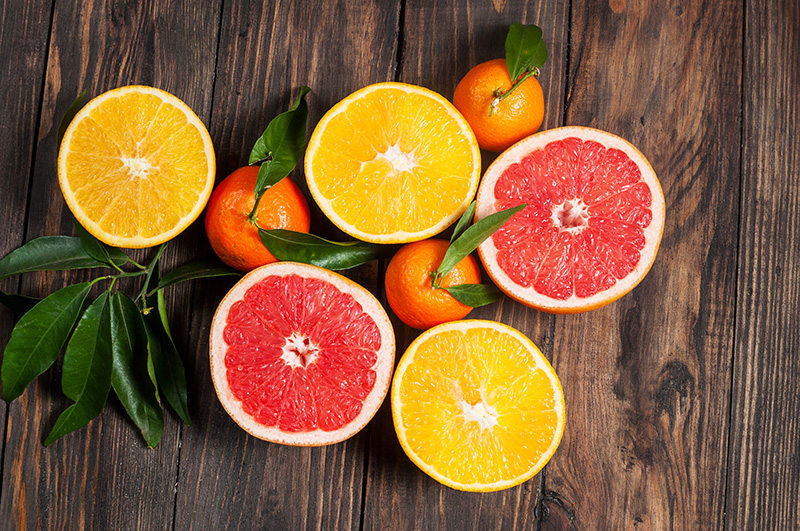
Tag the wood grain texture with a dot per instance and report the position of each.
(647, 378)
(442, 41)
(102, 476)
(26, 32)
(764, 464)
(229, 479)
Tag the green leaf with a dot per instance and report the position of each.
(200, 269)
(166, 361)
(99, 250)
(130, 378)
(48, 253)
(281, 145)
(309, 249)
(86, 375)
(38, 337)
(473, 237)
(19, 304)
(475, 294)
(464, 222)
(525, 50)
(68, 116)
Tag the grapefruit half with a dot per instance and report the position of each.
(592, 226)
(300, 355)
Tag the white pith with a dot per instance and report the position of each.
(485, 205)
(383, 366)
(481, 413)
(576, 211)
(137, 166)
(399, 159)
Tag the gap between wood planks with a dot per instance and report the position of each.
(35, 142)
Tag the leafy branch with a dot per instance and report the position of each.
(526, 54)
(466, 238)
(112, 341)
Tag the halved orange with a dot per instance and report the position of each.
(476, 406)
(136, 166)
(393, 163)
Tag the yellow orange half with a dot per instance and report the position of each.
(393, 163)
(136, 166)
(476, 406)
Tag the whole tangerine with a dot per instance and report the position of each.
(409, 285)
(231, 234)
(499, 123)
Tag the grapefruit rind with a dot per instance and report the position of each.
(398, 237)
(529, 296)
(541, 363)
(317, 437)
(91, 225)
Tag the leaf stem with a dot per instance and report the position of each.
(149, 271)
(500, 97)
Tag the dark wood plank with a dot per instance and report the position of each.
(764, 466)
(102, 475)
(228, 479)
(647, 379)
(21, 80)
(442, 41)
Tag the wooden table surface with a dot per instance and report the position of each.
(683, 410)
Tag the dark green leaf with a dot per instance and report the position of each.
(129, 375)
(473, 237)
(68, 116)
(19, 304)
(167, 363)
(475, 294)
(48, 253)
(38, 337)
(525, 50)
(99, 250)
(309, 249)
(86, 375)
(200, 269)
(281, 145)
(464, 222)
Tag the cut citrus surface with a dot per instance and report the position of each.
(592, 226)
(393, 163)
(300, 355)
(476, 406)
(136, 166)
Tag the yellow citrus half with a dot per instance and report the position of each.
(136, 166)
(476, 406)
(393, 163)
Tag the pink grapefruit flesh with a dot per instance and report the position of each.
(301, 355)
(592, 226)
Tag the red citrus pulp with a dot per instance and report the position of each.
(592, 226)
(300, 355)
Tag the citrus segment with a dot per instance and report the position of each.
(476, 405)
(393, 163)
(300, 355)
(136, 166)
(592, 226)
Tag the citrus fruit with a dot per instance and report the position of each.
(409, 286)
(136, 166)
(300, 355)
(476, 406)
(499, 123)
(592, 226)
(231, 234)
(393, 163)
